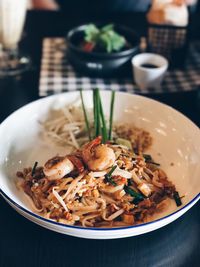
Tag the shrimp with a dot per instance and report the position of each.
(57, 167)
(97, 156)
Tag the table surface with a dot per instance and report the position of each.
(23, 243)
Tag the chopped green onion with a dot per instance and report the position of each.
(148, 159)
(104, 130)
(133, 193)
(111, 114)
(85, 115)
(108, 176)
(136, 200)
(177, 199)
(112, 170)
(110, 180)
(34, 168)
(152, 162)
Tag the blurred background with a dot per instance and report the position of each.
(98, 6)
(33, 64)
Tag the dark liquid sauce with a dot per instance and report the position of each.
(149, 66)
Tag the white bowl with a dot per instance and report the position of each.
(176, 140)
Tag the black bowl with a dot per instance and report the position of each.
(101, 64)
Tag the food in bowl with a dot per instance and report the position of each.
(102, 50)
(173, 142)
(103, 39)
(106, 180)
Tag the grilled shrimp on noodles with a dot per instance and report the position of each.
(97, 156)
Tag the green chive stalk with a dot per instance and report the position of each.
(111, 114)
(85, 115)
(103, 121)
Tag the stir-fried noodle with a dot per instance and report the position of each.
(96, 185)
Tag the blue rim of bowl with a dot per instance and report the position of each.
(195, 199)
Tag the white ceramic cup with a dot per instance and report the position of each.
(149, 77)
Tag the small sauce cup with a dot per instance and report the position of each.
(149, 70)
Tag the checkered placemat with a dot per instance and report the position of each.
(57, 75)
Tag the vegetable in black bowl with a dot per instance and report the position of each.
(103, 39)
(103, 50)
